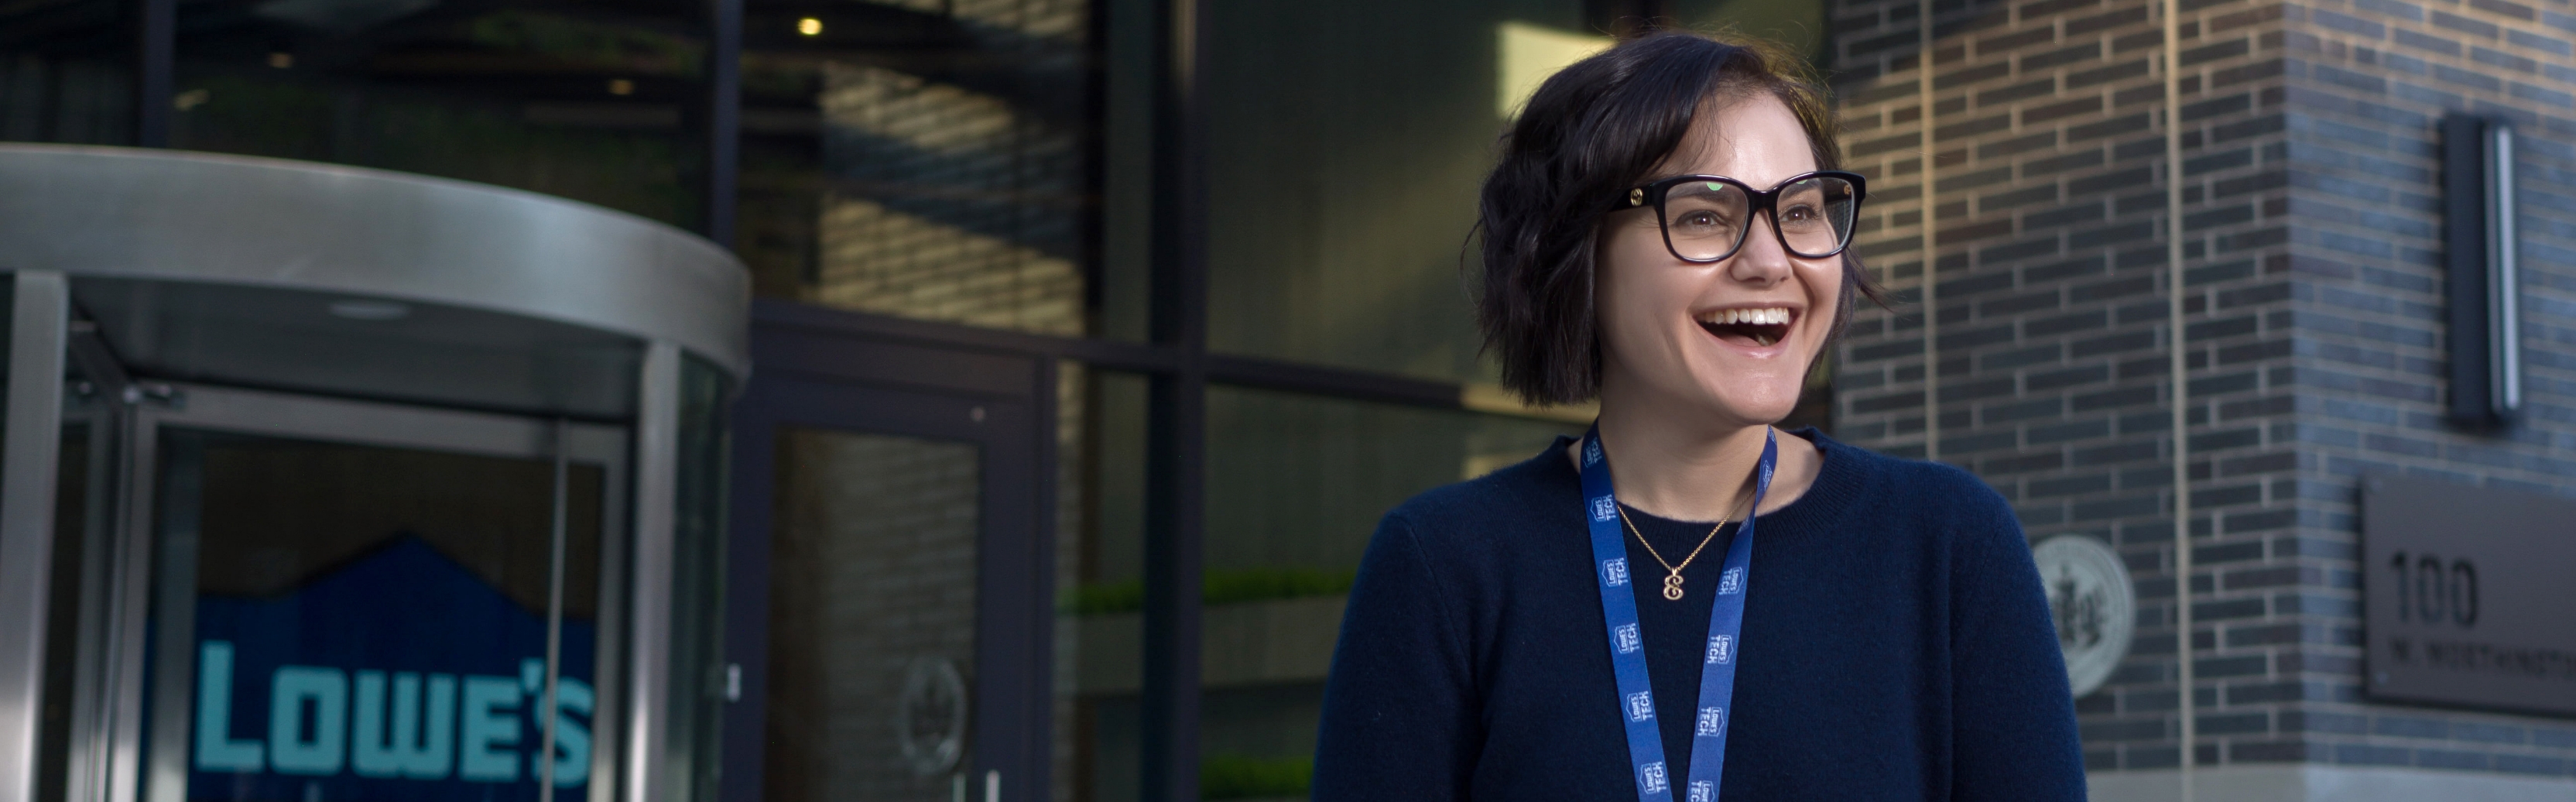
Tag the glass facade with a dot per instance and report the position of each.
(872, 610)
(1342, 200)
(1341, 203)
(1296, 484)
(692, 759)
(591, 102)
(81, 474)
(67, 72)
(1100, 571)
(84, 496)
(923, 159)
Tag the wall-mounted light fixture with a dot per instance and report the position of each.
(2479, 211)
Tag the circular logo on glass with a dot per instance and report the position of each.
(2095, 608)
(930, 716)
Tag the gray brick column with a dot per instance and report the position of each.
(2314, 323)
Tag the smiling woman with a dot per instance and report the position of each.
(1666, 233)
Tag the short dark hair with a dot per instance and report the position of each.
(1592, 131)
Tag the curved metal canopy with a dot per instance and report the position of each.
(137, 214)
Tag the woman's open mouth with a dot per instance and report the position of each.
(1756, 326)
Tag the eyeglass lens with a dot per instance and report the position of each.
(1706, 219)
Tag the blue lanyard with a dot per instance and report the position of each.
(1628, 643)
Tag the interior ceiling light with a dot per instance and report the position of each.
(621, 86)
(363, 309)
(809, 26)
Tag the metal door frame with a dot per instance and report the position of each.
(110, 746)
(813, 372)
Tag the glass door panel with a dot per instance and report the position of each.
(381, 621)
(80, 481)
(871, 617)
(889, 586)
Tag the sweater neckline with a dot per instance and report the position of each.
(1839, 486)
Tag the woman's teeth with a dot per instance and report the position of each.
(1761, 326)
(1773, 316)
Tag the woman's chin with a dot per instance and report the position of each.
(1760, 409)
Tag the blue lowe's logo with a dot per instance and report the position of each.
(1604, 509)
(1703, 791)
(1615, 572)
(1627, 638)
(401, 677)
(1721, 648)
(1731, 582)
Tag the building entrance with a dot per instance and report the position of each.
(320, 483)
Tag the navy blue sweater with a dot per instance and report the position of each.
(1897, 645)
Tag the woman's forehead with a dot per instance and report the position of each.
(1754, 139)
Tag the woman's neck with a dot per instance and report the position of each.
(1674, 467)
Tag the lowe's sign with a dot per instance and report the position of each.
(400, 677)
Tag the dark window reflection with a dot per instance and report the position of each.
(927, 159)
(1295, 487)
(587, 100)
(67, 72)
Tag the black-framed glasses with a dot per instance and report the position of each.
(1704, 217)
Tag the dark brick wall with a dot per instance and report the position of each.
(2313, 322)
(2367, 83)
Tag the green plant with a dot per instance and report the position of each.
(1236, 586)
(1106, 597)
(1265, 584)
(1244, 776)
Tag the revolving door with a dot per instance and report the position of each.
(321, 483)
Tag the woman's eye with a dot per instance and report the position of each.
(1801, 212)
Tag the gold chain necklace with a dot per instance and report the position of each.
(1673, 573)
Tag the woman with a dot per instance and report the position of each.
(1666, 232)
